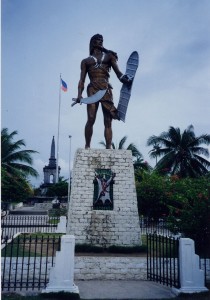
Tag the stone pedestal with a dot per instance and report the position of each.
(119, 226)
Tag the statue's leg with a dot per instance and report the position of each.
(91, 117)
(107, 128)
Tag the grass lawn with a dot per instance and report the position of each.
(32, 245)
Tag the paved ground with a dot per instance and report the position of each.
(121, 289)
(117, 290)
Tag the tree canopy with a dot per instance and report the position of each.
(181, 153)
(16, 165)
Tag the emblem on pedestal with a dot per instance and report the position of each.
(103, 189)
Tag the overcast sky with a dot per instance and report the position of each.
(42, 39)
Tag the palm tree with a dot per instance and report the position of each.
(155, 150)
(14, 161)
(181, 152)
(135, 152)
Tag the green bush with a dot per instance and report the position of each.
(192, 219)
(127, 250)
(88, 248)
(151, 196)
(185, 202)
(111, 249)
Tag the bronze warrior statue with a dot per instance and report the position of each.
(98, 66)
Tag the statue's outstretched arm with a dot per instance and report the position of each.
(123, 78)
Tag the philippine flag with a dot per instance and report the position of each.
(63, 86)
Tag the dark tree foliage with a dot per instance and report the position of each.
(16, 165)
(184, 202)
(181, 153)
(59, 189)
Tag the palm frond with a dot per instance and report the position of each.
(180, 152)
(200, 150)
(203, 161)
(134, 150)
(174, 135)
(13, 158)
(122, 142)
(102, 143)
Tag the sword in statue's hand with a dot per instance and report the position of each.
(92, 99)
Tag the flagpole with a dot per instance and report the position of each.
(58, 134)
(69, 168)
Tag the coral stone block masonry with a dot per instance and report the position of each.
(103, 203)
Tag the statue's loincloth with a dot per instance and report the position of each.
(107, 100)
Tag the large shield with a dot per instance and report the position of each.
(125, 92)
